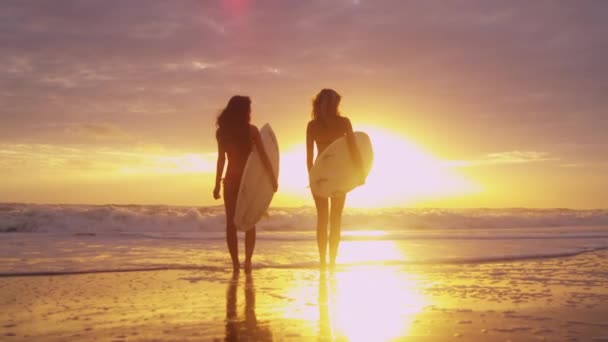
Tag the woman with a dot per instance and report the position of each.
(235, 139)
(326, 126)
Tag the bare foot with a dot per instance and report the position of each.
(322, 266)
(248, 267)
(236, 267)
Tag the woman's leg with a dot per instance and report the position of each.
(322, 216)
(249, 247)
(230, 194)
(335, 220)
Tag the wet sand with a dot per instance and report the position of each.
(562, 299)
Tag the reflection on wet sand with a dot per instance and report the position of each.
(247, 328)
(367, 304)
(325, 333)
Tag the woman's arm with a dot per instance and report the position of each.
(310, 147)
(355, 154)
(221, 160)
(257, 140)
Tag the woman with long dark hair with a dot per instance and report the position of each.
(235, 139)
(326, 126)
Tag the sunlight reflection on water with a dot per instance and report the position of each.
(364, 303)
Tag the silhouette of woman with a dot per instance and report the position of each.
(326, 126)
(235, 139)
(249, 328)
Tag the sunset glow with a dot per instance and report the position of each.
(156, 173)
(124, 112)
(402, 173)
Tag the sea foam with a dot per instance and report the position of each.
(159, 218)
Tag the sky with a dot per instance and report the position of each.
(468, 103)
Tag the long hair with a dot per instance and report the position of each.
(233, 122)
(325, 105)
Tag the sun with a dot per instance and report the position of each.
(402, 173)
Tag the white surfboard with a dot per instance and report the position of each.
(255, 191)
(334, 172)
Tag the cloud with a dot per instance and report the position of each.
(27, 157)
(17, 64)
(194, 65)
(504, 66)
(575, 165)
(100, 132)
(55, 159)
(508, 157)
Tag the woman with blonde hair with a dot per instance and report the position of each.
(326, 126)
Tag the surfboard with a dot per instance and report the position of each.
(255, 191)
(334, 172)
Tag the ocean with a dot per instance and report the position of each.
(71, 239)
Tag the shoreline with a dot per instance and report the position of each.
(553, 299)
(438, 262)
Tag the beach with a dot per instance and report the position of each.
(559, 299)
(158, 273)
